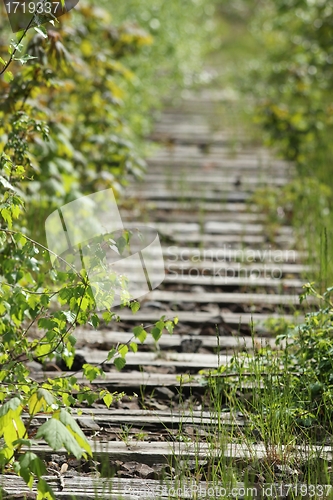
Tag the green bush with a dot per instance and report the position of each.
(71, 124)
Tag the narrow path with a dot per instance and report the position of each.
(223, 271)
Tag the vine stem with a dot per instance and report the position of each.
(16, 47)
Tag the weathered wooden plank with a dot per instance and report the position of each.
(108, 339)
(226, 196)
(199, 317)
(161, 452)
(227, 253)
(239, 156)
(171, 160)
(133, 380)
(215, 227)
(208, 183)
(187, 215)
(174, 163)
(251, 281)
(146, 418)
(269, 269)
(185, 136)
(284, 242)
(208, 96)
(136, 380)
(244, 152)
(241, 151)
(91, 488)
(164, 167)
(206, 206)
(161, 359)
(225, 298)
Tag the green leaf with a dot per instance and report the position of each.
(20, 239)
(58, 436)
(9, 411)
(70, 316)
(111, 353)
(94, 320)
(7, 216)
(91, 372)
(170, 327)
(31, 464)
(119, 363)
(107, 316)
(160, 325)
(121, 244)
(156, 333)
(41, 30)
(108, 398)
(6, 184)
(44, 491)
(15, 429)
(135, 306)
(73, 427)
(134, 346)
(123, 350)
(12, 404)
(41, 399)
(8, 76)
(33, 300)
(23, 442)
(47, 324)
(140, 333)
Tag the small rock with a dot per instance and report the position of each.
(129, 466)
(144, 471)
(163, 470)
(51, 367)
(88, 423)
(74, 462)
(124, 474)
(198, 289)
(164, 392)
(190, 345)
(132, 405)
(157, 406)
(285, 470)
(195, 431)
(58, 459)
(187, 306)
(154, 305)
(29, 495)
(136, 469)
(191, 465)
(208, 329)
(211, 308)
(34, 366)
(159, 369)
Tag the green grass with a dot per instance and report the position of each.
(284, 395)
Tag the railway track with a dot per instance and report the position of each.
(225, 276)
